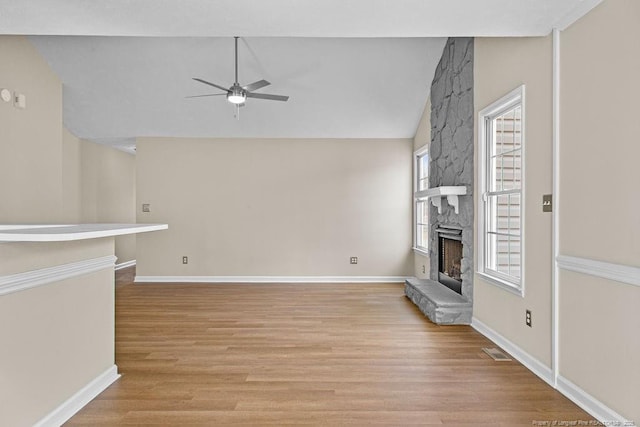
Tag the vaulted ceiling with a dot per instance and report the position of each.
(352, 68)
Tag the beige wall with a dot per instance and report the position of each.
(30, 147)
(423, 137)
(108, 191)
(599, 343)
(71, 178)
(599, 204)
(501, 65)
(55, 338)
(600, 83)
(275, 207)
(423, 133)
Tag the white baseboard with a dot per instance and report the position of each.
(270, 279)
(86, 394)
(530, 362)
(593, 406)
(125, 264)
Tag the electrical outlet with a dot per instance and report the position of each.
(424, 270)
(353, 260)
(185, 260)
(146, 207)
(527, 318)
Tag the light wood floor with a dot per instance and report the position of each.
(319, 354)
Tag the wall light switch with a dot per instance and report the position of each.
(20, 101)
(146, 207)
(547, 203)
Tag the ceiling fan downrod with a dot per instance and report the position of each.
(236, 49)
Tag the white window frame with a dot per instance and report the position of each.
(417, 155)
(507, 102)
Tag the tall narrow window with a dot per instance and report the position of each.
(501, 137)
(421, 205)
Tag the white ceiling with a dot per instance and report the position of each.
(284, 18)
(353, 68)
(339, 88)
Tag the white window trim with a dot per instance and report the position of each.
(424, 251)
(509, 100)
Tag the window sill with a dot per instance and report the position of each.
(420, 251)
(509, 287)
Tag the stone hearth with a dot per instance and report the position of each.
(439, 303)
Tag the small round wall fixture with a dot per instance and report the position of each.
(5, 95)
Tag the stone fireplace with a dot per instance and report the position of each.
(447, 298)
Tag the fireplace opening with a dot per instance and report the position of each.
(450, 258)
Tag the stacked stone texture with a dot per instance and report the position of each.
(451, 149)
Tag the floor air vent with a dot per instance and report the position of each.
(496, 354)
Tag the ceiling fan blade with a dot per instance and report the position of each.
(210, 94)
(268, 96)
(256, 85)
(210, 84)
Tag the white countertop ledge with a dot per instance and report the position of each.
(68, 232)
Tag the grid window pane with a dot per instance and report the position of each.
(507, 131)
(506, 171)
(502, 213)
(505, 150)
(514, 214)
(422, 165)
(514, 256)
(423, 218)
(422, 224)
(502, 254)
(423, 236)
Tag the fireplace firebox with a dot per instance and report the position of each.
(450, 258)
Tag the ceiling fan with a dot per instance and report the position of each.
(237, 94)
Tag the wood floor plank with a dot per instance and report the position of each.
(294, 354)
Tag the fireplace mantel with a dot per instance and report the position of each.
(436, 194)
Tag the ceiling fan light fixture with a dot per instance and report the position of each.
(236, 98)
